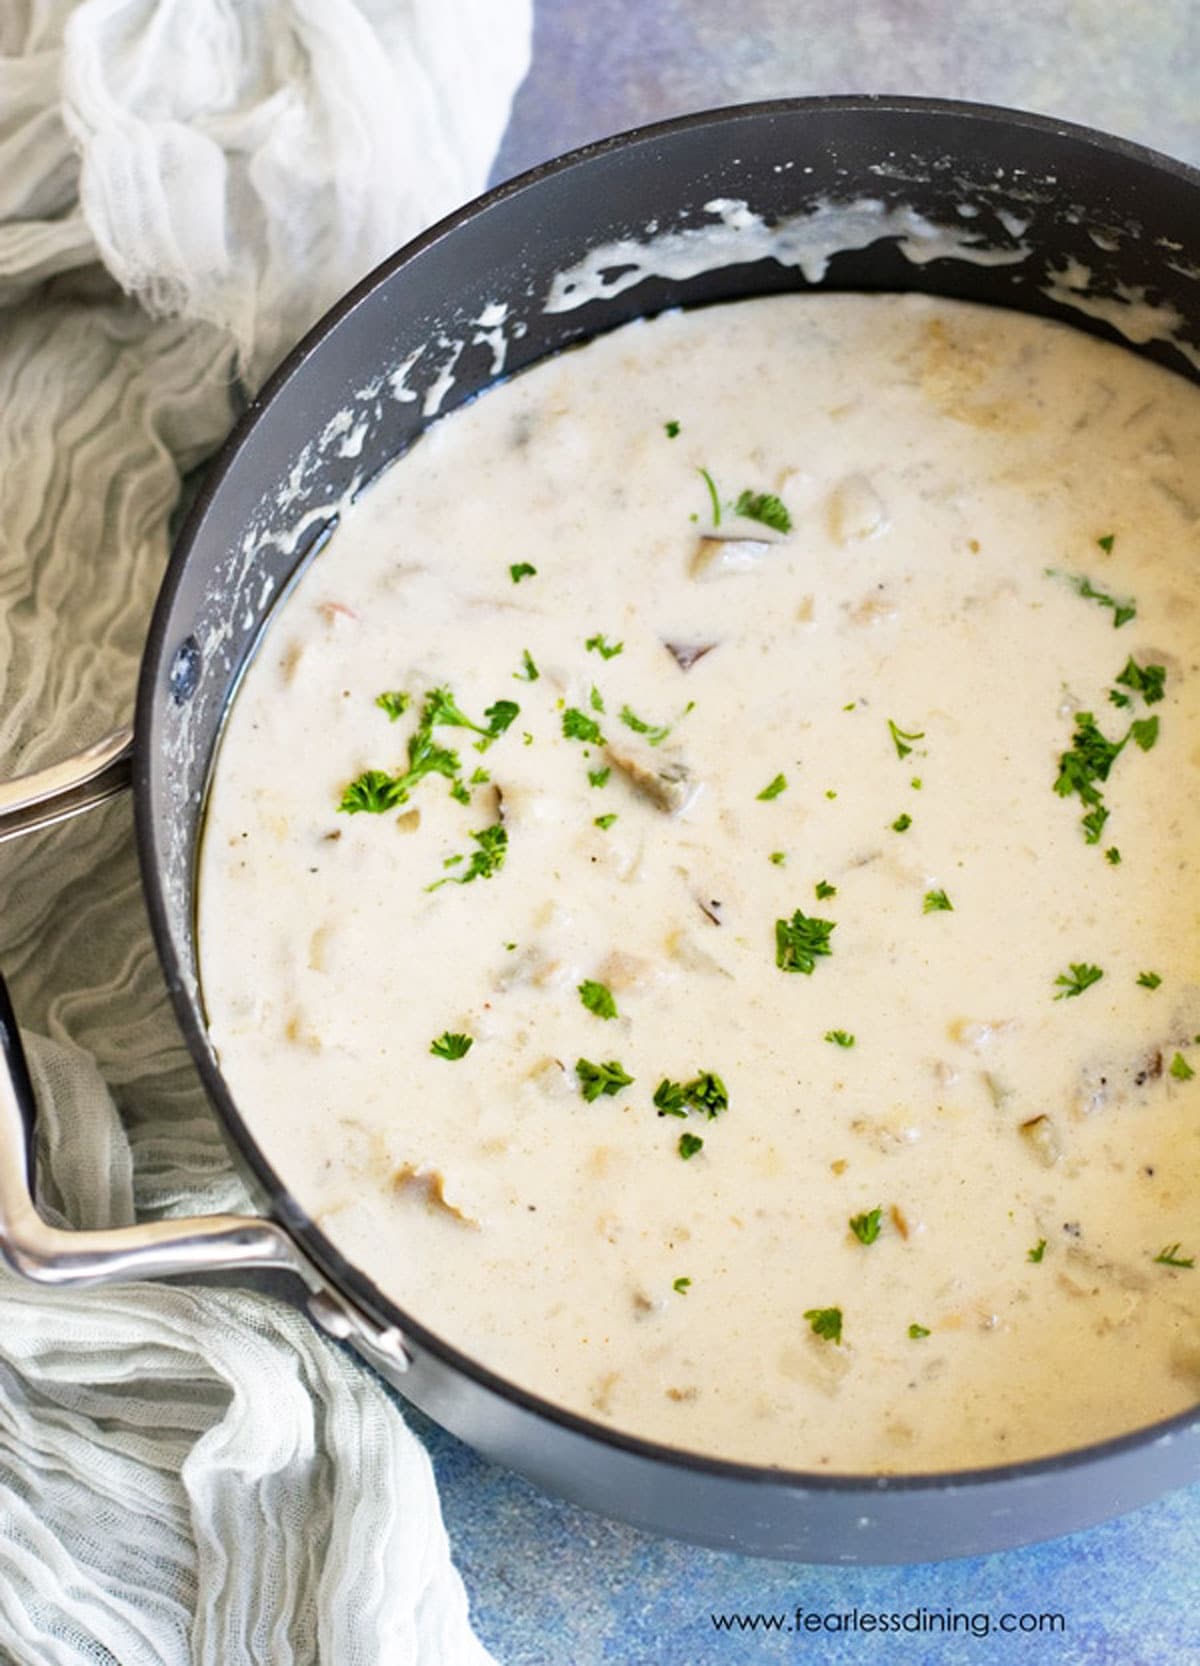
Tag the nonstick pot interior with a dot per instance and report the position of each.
(1049, 201)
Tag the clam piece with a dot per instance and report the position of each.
(685, 654)
(1041, 1138)
(719, 557)
(666, 781)
(856, 510)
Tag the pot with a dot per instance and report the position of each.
(1023, 204)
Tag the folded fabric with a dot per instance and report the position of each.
(186, 1475)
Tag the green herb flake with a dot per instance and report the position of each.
(1122, 612)
(600, 645)
(773, 789)
(373, 792)
(1144, 731)
(902, 823)
(449, 1046)
(605, 822)
(916, 1332)
(937, 902)
(840, 1038)
(706, 1094)
(866, 1227)
(826, 1322)
(596, 699)
(681, 1286)
(1080, 977)
(597, 998)
(577, 725)
(655, 733)
(484, 862)
(1148, 980)
(394, 702)
(595, 1079)
(901, 737)
(916, 783)
(765, 508)
(824, 889)
(800, 940)
(1106, 543)
(1181, 1069)
(779, 857)
(1170, 1257)
(714, 497)
(671, 1098)
(829, 793)
(671, 429)
(689, 1145)
(1147, 680)
(598, 777)
(1037, 1252)
(1113, 856)
(529, 672)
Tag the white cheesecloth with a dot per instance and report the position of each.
(186, 1475)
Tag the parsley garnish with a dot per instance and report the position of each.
(902, 823)
(1106, 543)
(530, 672)
(916, 1332)
(1148, 980)
(689, 1144)
(595, 1079)
(1181, 1069)
(800, 940)
(486, 861)
(1082, 976)
(1147, 680)
(824, 889)
(521, 570)
(1170, 1257)
(1113, 856)
(840, 1038)
(937, 902)
(597, 998)
(448, 1046)
(826, 1322)
(712, 492)
(394, 703)
(655, 733)
(705, 1093)
(605, 822)
(1090, 759)
(598, 777)
(599, 645)
(773, 789)
(1145, 731)
(577, 725)
(779, 857)
(1123, 612)
(1037, 1252)
(672, 429)
(866, 1227)
(373, 791)
(899, 737)
(682, 1286)
(596, 699)
(766, 508)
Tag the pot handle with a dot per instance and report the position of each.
(67, 789)
(50, 1255)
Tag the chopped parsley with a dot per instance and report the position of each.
(605, 822)
(1170, 1257)
(1147, 680)
(840, 1038)
(1122, 612)
(779, 857)
(1089, 760)
(1037, 1252)
(902, 823)
(1181, 1069)
(937, 902)
(671, 430)
(766, 508)
(1148, 980)
(1081, 977)
(655, 733)
(826, 1322)
(688, 1145)
(595, 1079)
(800, 940)
(681, 1286)
(916, 783)
(521, 570)
(900, 738)
(1145, 731)
(706, 1093)
(866, 1227)
(713, 496)
(374, 791)
(824, 889)
(773, 789)
(529, 673)
(597, 998)
(600, 645)
(1113, 856)
(598, 777)
(1106, 543)
(484, 862)
(394, 703)
(449, 1046)
(596, 699)
(577, 725)
(916, 1332)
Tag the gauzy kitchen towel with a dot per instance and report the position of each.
(186, 1475)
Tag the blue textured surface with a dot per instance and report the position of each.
(549, 1584)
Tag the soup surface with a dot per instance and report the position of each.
(700, 893)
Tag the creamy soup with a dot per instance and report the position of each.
(700, 889)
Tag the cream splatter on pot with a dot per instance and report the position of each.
(699, 896)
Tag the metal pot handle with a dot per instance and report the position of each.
(69, 788)
(50, 1255)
